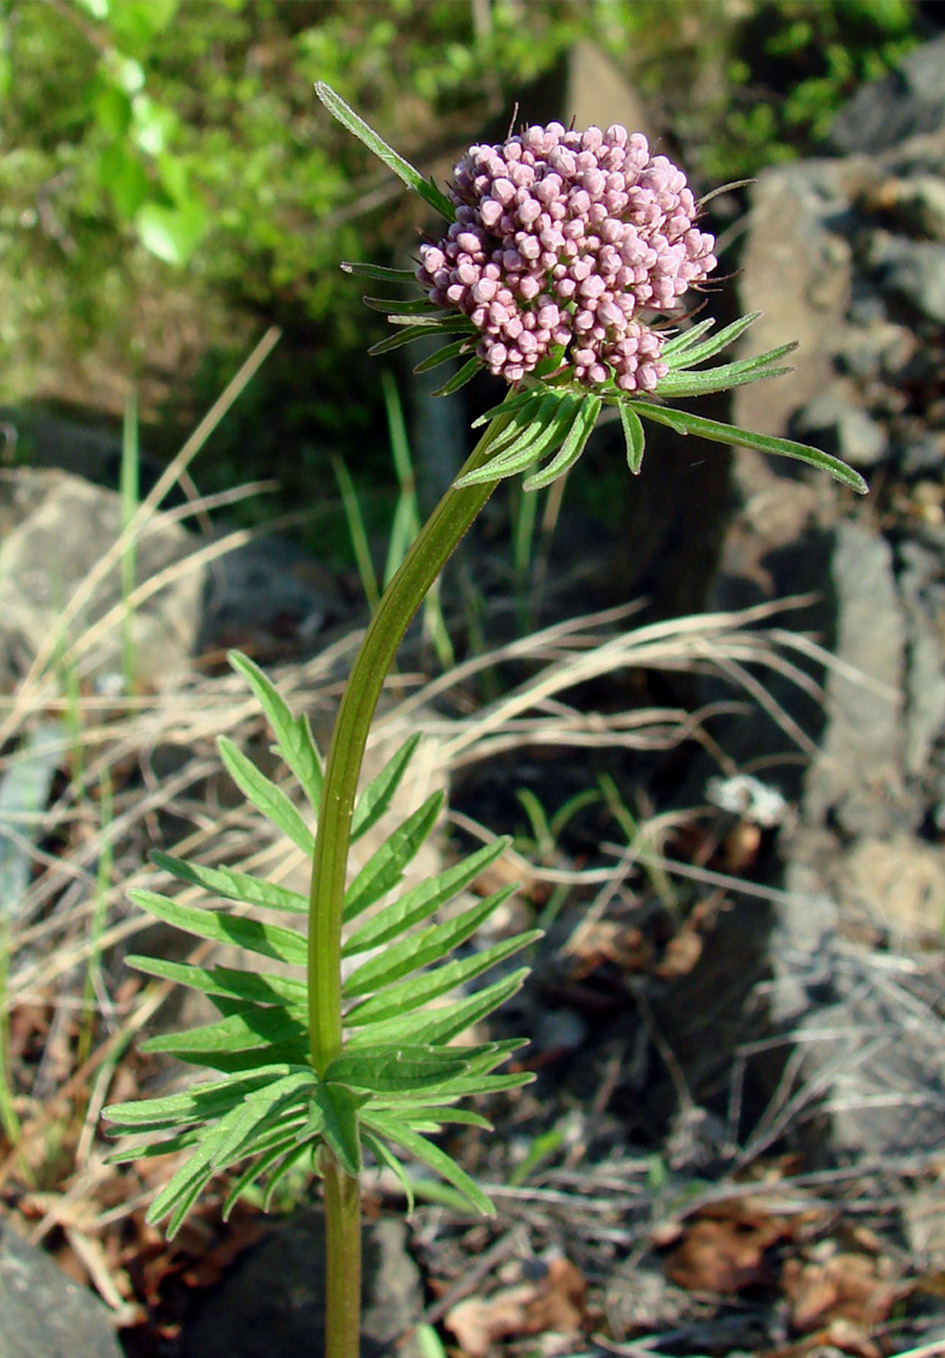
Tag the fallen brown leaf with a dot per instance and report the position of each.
(553, 1304)
(725, 1249)
(854, 1287)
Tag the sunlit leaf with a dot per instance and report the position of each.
(266, 796)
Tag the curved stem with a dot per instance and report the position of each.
(400, 601)
(437, 540)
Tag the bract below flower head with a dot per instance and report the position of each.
(569, 244)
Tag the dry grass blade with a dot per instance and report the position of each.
(26, 696)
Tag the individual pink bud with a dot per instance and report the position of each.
(592, 287)
(483, 290)
(563, 162)
(579, 202)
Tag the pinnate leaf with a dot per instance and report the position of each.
(423, 900)
(232, 886)
(266, 796)
(293, 734)
(268, 940)
(385, 868)
(376, 798)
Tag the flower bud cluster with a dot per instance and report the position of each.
(569, 239)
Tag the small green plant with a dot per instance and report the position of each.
(560, 269)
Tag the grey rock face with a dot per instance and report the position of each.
(858, 779)
(847, 256)
(42, 1313)
(54, 530)
(912, 272)
(273, 1303)
(832, 423)
(905, 103)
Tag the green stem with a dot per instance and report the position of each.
(342, 1261)
(417, 572)
(419, 569)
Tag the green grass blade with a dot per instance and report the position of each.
(698, 353)
(385, 1156)
(252, 1029)
(448, 351)
(379, 272)
(685, 339)
(409, 333)
(398, 1069)
(459, 379)
(575, 441)
(357, 532)
(288, 1164)
(255, 1171)
(391, 1129)
(252, 986)
(634, 437)
(398, 999)
(532, 434)
(339, 1108)
(420, 949)
(202, 1102)
(267, 1108)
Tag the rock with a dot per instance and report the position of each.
(44, 559)
(874, 1068)
(45, 1314)
(273, 1302)
(877, 349)
(266, 590)
(858, 778)
(923, 597)
(908, 101)
(912, 273)
(833, 423)
(797, 269)
(264, 593)
(915, 206)
(922, 454)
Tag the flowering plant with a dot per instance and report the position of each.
(561, 270)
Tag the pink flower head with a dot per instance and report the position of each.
(577, 239)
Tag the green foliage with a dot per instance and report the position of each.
(791, 65)
(397, 1079)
